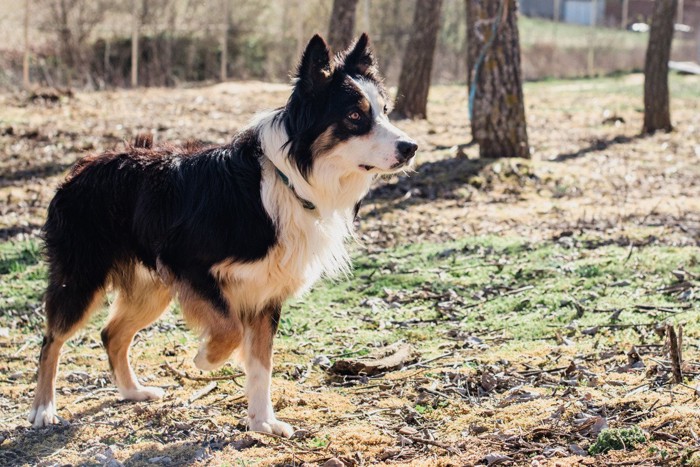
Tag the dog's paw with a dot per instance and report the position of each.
(202, 362)
(274, 426)
(143, 393)
(43, 415)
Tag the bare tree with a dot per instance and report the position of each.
(417, 66)
(496, 107)
(657, 115)
(25, 59)
(342, 25)
(72, 21)
(224, 41)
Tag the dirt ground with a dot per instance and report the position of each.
(591, 176)
(590, 169)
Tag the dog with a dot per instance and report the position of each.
(230, 231)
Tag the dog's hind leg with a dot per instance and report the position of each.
(141, 299)
(257, 359)
(68, 305)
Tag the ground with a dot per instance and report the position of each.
(535, 294)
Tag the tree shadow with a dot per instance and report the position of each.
(189, 452)
(45, 170)
(30, 446)
(596, 144)
(451, 178)
(31, 229)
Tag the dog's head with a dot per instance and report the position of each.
(337, 114)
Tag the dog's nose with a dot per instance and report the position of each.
(406, 149)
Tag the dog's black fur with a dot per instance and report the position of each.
(188, 207)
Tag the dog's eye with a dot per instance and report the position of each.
(386, 108)
(355, 116)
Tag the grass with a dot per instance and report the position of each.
(484, 286)
(620, 438)
(500, 302)
(536, 31)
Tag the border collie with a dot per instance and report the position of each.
(232, 231)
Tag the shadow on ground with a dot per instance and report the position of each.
(44, 170)
(452, 178)
(595, 146)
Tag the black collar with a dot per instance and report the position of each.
(304, 202)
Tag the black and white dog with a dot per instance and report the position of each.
(231, 231)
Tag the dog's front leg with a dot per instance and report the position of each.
(259, 333)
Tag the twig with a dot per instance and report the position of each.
(505, 294)
(424, 362)
(184, 374)
(665, 308)
(539, 372)
(675, 343)
(438, 444)
(202, 392)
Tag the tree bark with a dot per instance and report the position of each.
(223, 74)
(495, 79)
(342, 26)
(417, 66)
(657, 115)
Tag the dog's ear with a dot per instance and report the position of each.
(359, 59)
(315, 68)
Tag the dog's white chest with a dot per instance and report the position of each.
(304, 251)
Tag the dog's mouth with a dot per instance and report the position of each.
(397, 166)
(400, 164)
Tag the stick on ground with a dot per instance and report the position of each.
(674, 346)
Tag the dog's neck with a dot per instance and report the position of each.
(329, 187)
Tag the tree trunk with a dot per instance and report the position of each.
(223, 75)
(657, 115)
(342, 27)
(417, 66)
(496, 108)
(25, 59)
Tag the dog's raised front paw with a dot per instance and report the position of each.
(273, 426)
(43, 415)
(202, 362)
(142, 393)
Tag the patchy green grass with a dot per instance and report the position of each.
(485, 286)
(534, 31)
(22, 283)
(490, 286)
(619, 438)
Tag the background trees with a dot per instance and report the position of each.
(342, 24)
(657, 115)
(496, 107)
(416, 70)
